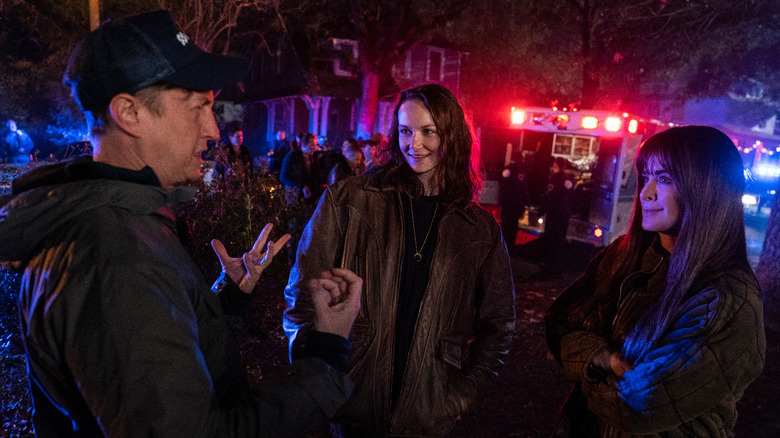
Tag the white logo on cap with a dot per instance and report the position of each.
(183, 39)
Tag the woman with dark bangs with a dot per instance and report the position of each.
(664, 330)
(438, 307)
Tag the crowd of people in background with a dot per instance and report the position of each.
(304, 166)
(307, 163)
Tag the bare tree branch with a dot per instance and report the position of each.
(206, 22)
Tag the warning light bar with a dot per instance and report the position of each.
(598, 123)
(590, 122)
(613, 124)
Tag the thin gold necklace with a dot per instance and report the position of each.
(418, 252)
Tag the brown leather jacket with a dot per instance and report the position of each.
(466, 319)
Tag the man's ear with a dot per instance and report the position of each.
(123, 110)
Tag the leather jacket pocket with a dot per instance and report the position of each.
(451, 350)
(359, 339)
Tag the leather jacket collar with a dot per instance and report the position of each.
(373, 183)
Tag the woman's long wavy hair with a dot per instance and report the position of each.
(458, 173)
(708, 174)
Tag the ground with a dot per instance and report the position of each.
(523, 401)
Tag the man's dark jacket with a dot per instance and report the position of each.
(123, 337)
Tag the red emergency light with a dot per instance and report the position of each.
(590, 122)
(613, 124)
(633, 125)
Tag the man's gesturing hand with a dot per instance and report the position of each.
(246, 270)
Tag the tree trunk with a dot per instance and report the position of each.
(768, 269)
(591, 84)
(368, 104)
(590, 66)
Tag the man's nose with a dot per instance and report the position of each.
(210, 128)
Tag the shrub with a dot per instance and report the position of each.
(234, 210)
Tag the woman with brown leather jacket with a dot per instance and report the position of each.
(438, 310)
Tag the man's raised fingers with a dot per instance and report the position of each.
(219, 248)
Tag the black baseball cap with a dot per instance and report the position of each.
(127, 55)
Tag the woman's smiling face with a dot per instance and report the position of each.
(662, 210)
(418, 137)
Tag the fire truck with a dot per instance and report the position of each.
(600, 148)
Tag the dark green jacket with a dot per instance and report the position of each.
(686, 385)
(123, 336)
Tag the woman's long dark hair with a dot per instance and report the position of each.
(458, 174)
(707, 171)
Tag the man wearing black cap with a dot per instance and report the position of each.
(123, 337)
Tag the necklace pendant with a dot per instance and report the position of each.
(418, 252)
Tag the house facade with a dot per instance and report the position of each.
(320, 93)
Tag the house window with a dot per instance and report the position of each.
(403, 68)
(435, 64)
(348, 52)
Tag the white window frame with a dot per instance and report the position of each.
(344, 44)
(429, 76)
(403, 69)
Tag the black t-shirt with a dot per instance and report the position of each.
(414, 276)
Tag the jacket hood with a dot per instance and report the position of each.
(50, 196)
